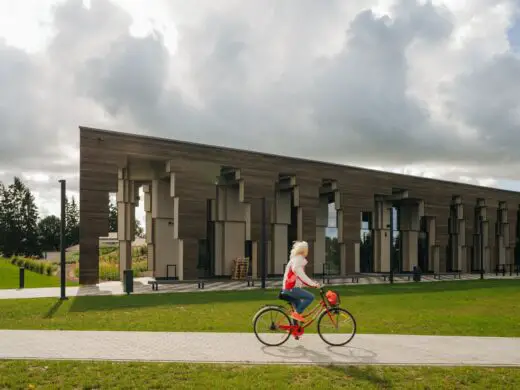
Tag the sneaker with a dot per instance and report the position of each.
(297, 317)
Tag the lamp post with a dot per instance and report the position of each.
(263, 242)
(481, 226)
(62, 239)
(391, 246)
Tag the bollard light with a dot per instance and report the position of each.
(21, 282)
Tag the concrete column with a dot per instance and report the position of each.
(502, 235)
(322, 220)
(410, 224)
(341, 240)
(168, 248)
(126, 201)
(435, 256)
(343, 259)
(254, 259)
(409, 247)
(357, 264)
(230, 230)
(147, 189)
(457, 234)
(481, 211)
(281, 221)
(382, 236)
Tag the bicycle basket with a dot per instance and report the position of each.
(333, 298)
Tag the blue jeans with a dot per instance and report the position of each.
(301, 298)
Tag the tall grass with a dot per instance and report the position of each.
(40, 266)
(109, 262)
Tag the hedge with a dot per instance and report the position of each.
(40, 266)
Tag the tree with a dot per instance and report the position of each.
(49, 230)
(19, 218)
(112, 221)
(29, 225)
(71, 222)
(112, 217)
(11, 205)
(139, 231)
(332, 252)
(2, 219)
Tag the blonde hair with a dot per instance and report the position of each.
(298, 247)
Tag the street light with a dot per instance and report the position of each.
(62, 239)
(263, 242)
(391, 210)
(481, 223)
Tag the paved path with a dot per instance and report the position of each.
(244, 348)
(141, 287)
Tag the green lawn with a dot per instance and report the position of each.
(9, 278)
(108, 375)
(480, 308)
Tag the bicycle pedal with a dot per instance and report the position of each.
(296, 337)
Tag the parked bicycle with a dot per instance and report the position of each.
(336, 326)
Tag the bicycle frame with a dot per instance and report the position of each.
(320, 307)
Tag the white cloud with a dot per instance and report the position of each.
(417, 87)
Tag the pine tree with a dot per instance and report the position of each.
(11, 205)
(112, 217)
(29, 225)
(2, 219)
(71, 222)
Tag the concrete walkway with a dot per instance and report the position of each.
(222, 348)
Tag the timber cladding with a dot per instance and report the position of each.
(103, 152)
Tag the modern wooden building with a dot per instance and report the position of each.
(203, 210)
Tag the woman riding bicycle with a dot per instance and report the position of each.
(294, 277)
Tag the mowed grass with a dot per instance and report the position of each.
(9, 277)
(118, 375)
(478, 308)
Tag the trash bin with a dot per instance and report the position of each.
(128, 282)
(416, 274)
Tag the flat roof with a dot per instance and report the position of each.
(264, 154)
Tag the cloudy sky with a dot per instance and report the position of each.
(426, 88)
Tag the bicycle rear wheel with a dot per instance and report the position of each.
(272, 326)
(336, 327)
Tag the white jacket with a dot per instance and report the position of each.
(295, 276)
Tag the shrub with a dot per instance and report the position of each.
(38, 266)
(108, 271)
(109, 263)
(106, 250)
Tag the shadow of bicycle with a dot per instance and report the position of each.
(348, 362)
(333, 355)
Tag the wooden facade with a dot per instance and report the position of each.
(196, 166)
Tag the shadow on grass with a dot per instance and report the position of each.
(333, 361)
(366, 374)
(270, 296)
(54, 308)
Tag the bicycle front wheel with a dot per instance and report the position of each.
(336, 327)
(272, 326)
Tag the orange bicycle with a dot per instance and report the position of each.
(336, 326)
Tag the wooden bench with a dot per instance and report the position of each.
(455, 274)
(500, 268)
(155, 283)
(398, 275)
